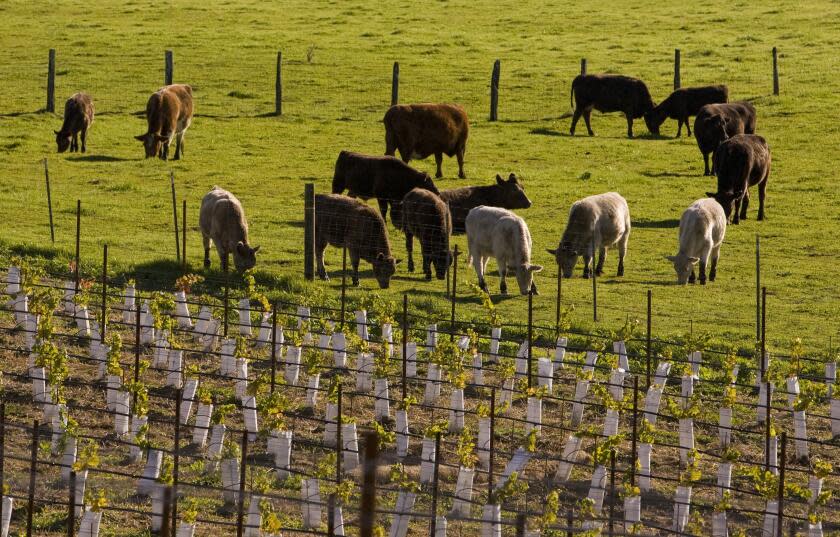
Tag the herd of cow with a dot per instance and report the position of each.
(740, 159)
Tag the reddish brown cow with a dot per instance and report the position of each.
(420, 130)
(169, 113)
(78, 115)
(741, 161)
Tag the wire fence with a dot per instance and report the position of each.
(550, 409)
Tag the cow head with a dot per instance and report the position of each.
(716, 127)
(726, 200)
(512, 194)
(383, 268)
(566, 258)
(244, 257)
(62, 140)
(427, 184)
(525, 277)
(684, 265)
(442, 261)
(152, 142)
(653, 120)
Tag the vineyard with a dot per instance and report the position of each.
(127, 411)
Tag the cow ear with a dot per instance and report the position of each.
(499, 179)
(671, 258)
(240, 248)
(711, 194)
(535, 268)
(512, 178)
(552, 252)
(160, 138)
(256, 249)
(380, 256)
(397, 261)
(57, 132)
(141, 138)
(693, 260)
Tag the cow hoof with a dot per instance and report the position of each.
(702, 281)
(483, 286)
(411, 267)
(438, 175)
(712, 277)
(571, 132)
(462, 175)
(591, 133)
(599, 273)
(760, 217)
(620, 273)
(585, 275)
(206, 263)
(428, 277)
(355, 282)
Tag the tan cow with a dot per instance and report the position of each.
(169, 113)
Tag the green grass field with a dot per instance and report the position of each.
(337, 59)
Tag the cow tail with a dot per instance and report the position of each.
(572, 94)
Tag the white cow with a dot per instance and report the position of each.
(702, 227)
(499, 233)
(595, 222)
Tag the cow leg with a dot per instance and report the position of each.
(744, 204)
(707, 171)
(409, 246)
(762, 190)
(84, 139)
(622, 251)
(460, 156)
(354, 263)
(427, 264)
(679, 127)
(575, 118)
(178, 140)
(713, 269)
(587, 260)
(74, 145)
(629, 125)
(438, 162)
(390, 144)
(687, 125)
(737, 211)
(478, 265)
(602, 253)
(319, 259)
(383, 208)
(206, 241)
(586, 117)
(702, 264)
(502, 275)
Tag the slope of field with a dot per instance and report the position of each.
(337, 59)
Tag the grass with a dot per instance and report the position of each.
(337, 68)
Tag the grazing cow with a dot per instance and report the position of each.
(222, 220)
(78, 116)
(387, 179)
(601, 221)
(344, 221)
(609, 93)
(741, 161)
(505, 194)
(682, 104)
(499, 233)
(169, 113)
(717, 122)
(702, 227)
(420, 130)
(425, 215)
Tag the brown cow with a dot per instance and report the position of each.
(420, 130)
(505, 194)
(609, 93)
(169, 113)
(741, 161)
(344, 221)
(683, 103)
(425, 215)
(386, 178)
(78, 115)
(717, 122)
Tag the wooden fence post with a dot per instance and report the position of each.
(49, 201)
(367, 514)
(494, 91)
(309, 231)
(395, 84)
(278, 86)
(51, 81)
(169, 68)
(583, 66)
(775, 72)
(676, 68)
(175, 217)
(184, 235)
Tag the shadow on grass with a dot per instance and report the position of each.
(545, 132)
(657, 224)
(99, 158)
(669, 174)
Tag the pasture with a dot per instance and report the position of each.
(337, 60)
